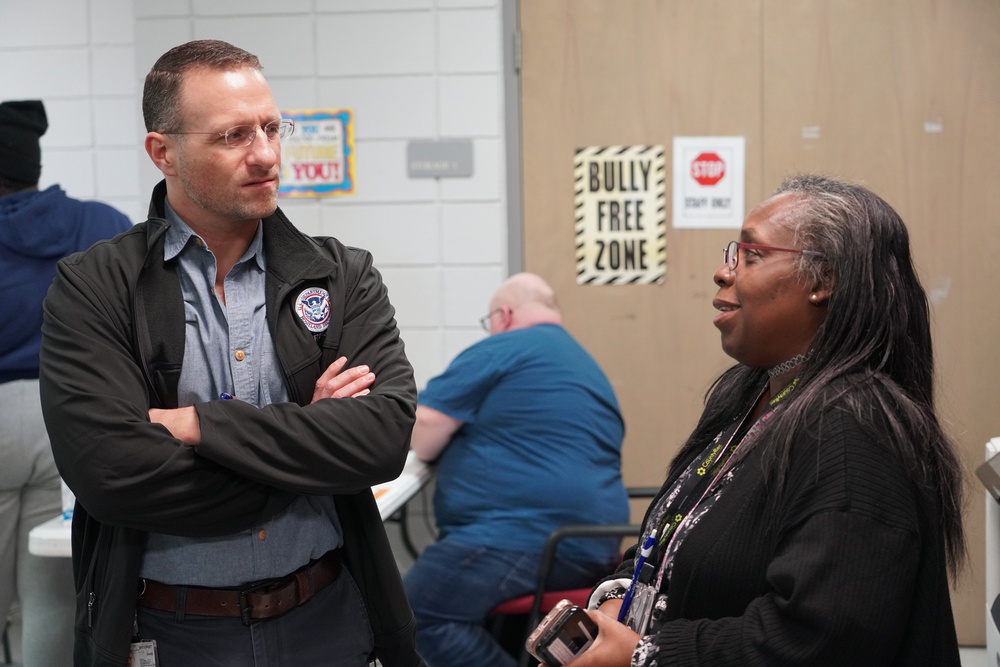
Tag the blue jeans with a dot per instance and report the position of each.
(453, 586)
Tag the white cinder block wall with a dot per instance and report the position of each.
(410, 69)
(77, 56)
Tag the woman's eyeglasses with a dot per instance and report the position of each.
(731, 253)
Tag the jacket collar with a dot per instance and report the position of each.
(292, 257)
(293, 260)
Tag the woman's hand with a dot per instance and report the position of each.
(337, 383)
(615, 641)
(611, 607)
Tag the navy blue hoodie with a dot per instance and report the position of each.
(37, 229)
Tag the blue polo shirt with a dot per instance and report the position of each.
(540, 446)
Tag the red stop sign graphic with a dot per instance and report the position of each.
(708, 169)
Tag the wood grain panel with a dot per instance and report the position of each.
(901, 95)
(904, 96)
(596, 73)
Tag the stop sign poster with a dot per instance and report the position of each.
(318, 159)
(620, 205)
(709, 180)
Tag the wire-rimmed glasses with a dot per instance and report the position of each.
(239, 136)
(484, 321)
(731, 253)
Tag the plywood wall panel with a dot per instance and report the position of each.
(597, 73)
(902, 95)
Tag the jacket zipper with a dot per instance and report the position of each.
(103, 546)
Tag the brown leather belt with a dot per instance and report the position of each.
(266, 600)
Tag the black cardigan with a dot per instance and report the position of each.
(850, 569)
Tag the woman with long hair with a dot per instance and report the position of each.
(815, 513)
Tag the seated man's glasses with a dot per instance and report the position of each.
(484, 321)
(243, 135)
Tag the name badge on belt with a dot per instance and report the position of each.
(142, 653)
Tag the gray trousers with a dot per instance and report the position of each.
(30, 494)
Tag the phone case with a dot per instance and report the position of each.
(564, 633)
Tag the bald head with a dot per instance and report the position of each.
(525, 299)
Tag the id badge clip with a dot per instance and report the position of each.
(142, 653)
(640, 610)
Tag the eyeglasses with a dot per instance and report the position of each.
(239, 136)
(484, 321)
(731, 253)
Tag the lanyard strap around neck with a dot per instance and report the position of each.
(714, 463)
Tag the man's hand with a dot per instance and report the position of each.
(182, 423)
(337, 383)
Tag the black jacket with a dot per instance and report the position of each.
(113, 343)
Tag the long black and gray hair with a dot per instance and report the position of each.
(872, 355)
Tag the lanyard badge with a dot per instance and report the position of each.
(643, 596)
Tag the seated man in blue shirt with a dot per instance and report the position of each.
(527, 434)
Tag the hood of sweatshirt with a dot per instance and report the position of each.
(48, 223)
(38, 228)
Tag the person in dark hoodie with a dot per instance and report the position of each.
(37, 228)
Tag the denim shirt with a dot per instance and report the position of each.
(228, 351)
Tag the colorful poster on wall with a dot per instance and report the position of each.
(318, 159)
(709, 182)
(620, 215)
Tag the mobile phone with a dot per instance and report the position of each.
(566, 632)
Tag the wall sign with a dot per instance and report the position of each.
(318, 159)
(448, 158)
(709, 182)
(620, 215)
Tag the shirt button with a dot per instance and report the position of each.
(240, 355)
(262, 534)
